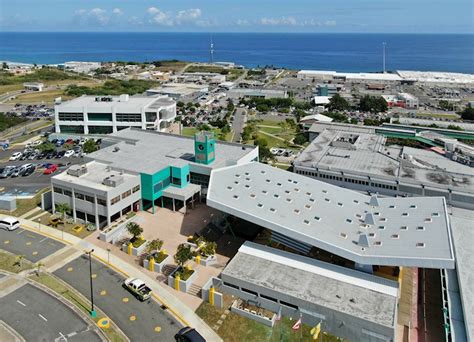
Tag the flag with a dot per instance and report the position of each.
(316, 331)
(297, 325)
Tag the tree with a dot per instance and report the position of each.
(134, 229)
(183, 254)
(19, 260)
(154, 246)
(63, 209)
(70, 146)
(46, 146)
(338, 103)
(300, 139)
(468, 113)
(455, 127)
(90, 146)
(5, 65)
(209, 248)
(38, 266)
(373, 104)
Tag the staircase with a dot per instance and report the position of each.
(195, 290)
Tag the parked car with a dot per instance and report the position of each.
(68, 153)
(69, 141)
(50, 155)
(32, 155)
(188, 334)
(16, 156)
(41, 155)
(29, 170)
(60, 142)
(7, 171)
(19, 171)
(138, 288)
(51, 169)
(60, 154)
(54, 141)
(9, 223)
(36, 142)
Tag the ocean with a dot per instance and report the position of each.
(338, 52)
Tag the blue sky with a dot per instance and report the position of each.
(397, 16)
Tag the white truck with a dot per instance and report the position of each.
(138, 288)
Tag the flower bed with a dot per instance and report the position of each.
(187, 278)
(138, 247)
(161, 259)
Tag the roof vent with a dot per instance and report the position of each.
(369, 218)
(116, 149)
(363, 240)
(113, 181)
(374, 201)
(77, 170)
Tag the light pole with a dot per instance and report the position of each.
(39, 224)
(384, 45)
(92, 312)
(108, 256)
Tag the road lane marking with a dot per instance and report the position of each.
(34, 253)
(43, 239)
(28, 243)
(74, 333)
(133, 318)
(103, 293)
(44, 318)
(21, 231)
(6, 242)
(93, 276)
(21, 303)
(125, 300)
(157, 329)
(70, 269)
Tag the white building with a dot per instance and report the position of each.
(82, 67)
(36, 86)
(108, 114)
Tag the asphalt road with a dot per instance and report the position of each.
(37, 316)
(140, 321)
(238, 123)
(24, 242)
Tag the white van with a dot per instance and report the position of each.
(9, 223)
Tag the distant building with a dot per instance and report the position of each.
(264, 93)
(36, 86)
(82, 67)
(308, 120)
(178, 91)
(402, 100)
(109, 114)
(328, 89)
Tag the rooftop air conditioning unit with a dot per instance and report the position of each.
(113, 181)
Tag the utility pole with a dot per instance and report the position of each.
(92, 312)
(384, 45)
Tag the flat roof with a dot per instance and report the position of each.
(463, 236)
(148, 152)
(371, 157)
(337, 288)
(412, 231)
(133, 103)
(96, 173)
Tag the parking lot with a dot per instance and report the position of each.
(24, 242)
(35, 179)
(38, 316)
(140, 321)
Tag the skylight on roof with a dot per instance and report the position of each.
(420, 228)
(317, 218)
(236, 196)
(420, 245)
(413, 206)
(260, 205)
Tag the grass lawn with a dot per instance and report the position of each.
(77, 300)
(47, 96)
(67, 227)
(273, 142)
(10, 87)
(237, 328)
(11, 263)
(439, 115)
(25, 205)
(190, 131)
(271, 130)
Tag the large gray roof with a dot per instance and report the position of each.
(371, 157)
(337, 288)
(148, 152)
(405, 231)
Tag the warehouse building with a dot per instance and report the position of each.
(110, 114)
(178, 91)
(246, 93)
(358, 158)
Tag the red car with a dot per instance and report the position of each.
(69, 141)
(50, 169)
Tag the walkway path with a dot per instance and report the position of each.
(182, 312)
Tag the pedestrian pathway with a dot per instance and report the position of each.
(179, 309)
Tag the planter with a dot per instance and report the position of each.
(113, 233)
(205, 261)
(251, 314)
(157, 267)
(181, 285)
(134, 250)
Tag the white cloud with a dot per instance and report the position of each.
(117, 11)
(190, 16)
(283, 21)
(242, 22)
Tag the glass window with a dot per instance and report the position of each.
(136, 188)
(58, 190)
(115, 200)
(78, 195)
(101, 201)
(126, 194)
(89, 198)
(67, 193)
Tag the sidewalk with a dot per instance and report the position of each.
(180, 310)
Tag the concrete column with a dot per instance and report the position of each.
(173, 205)
(96, 210)
(74, 205)
(53, 207)
(162, 204)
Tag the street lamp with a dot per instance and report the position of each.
(39, 223)
(108, 256)
(92, 312)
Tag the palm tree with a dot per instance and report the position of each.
(63, 209)
(38, 265)
(19, 260)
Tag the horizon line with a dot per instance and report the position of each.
(247, 32)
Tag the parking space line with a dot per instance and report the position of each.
(46, 238)
(21, 303)
(44, 318)
(20, 231)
